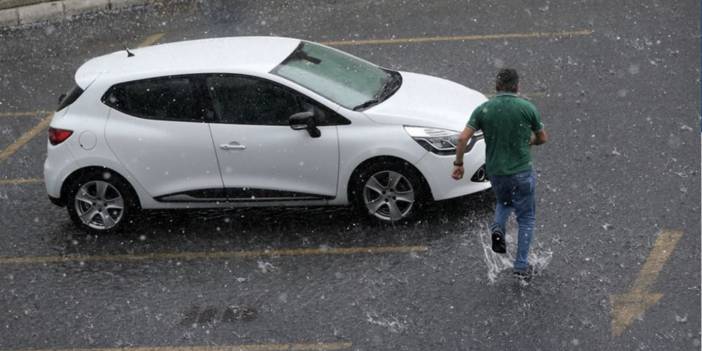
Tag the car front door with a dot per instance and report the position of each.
(158, 130)
(261, 157)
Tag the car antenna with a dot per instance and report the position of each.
(129, 53)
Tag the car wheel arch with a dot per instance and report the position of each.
(378, 159)
(93, 169)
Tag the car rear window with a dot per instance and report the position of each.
(164, 98)
(69, 98)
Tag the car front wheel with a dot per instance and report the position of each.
(388, 191)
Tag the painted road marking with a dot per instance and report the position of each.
(23, 113)
(319, 346)
(204, 255)
(523, 95)
(562, 34)
(21, 181)
(151, 39)
(631, 305)
(25, 138)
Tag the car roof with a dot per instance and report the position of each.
(230, 54)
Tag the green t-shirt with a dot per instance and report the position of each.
(507, 122)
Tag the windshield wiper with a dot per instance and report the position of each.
(392, 83)
(368, 103)
(390, 86)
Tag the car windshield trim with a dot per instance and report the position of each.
(344, 79)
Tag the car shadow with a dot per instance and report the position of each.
(273, 228)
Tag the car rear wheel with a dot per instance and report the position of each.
(101, 202)
(388, 191)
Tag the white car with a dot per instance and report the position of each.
(255, 121)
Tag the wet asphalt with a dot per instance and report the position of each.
(622, 107)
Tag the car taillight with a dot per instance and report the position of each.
(57, 136)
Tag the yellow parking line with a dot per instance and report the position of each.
(151, 39)
(524, 95)
(314, 346)
(22, 113)
(25, 138)
(204, 255)
(630, 306)
(562, 34)
(21, 181)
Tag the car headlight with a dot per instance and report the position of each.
(439, 141)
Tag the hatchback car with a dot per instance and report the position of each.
(255, 121)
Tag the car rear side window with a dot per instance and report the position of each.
(69, 98)
(174, 98)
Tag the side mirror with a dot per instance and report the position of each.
(305, 121)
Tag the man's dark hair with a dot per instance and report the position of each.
(507, 80)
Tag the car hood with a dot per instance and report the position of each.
(427, 101)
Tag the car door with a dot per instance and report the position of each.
(261, 157)
(158, 130)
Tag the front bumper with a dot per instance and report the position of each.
(57, 201)
(437, 171)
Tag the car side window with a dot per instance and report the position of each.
(242, 99)
(247, 100)
(174, 98)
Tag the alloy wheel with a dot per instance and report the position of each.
(99, 205)
(388, 195)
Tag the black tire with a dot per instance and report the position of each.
(118, 186)
(359, 194)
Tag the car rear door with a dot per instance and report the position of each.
(158, 130)
(261, 157)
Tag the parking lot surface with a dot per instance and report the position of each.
(618, 221)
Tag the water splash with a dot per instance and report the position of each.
(539, 256)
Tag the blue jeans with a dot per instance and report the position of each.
(516, 193)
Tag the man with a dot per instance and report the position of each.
(511, 125)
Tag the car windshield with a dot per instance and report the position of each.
(347, 80)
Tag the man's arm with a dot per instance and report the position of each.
(539, 138)
(463, 139)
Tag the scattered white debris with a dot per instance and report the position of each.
(633, 69)
(265, 267)
(392, 323)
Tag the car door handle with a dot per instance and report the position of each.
(233, 146)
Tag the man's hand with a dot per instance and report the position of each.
(457, 172)
(463, 139)
(538, 138)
